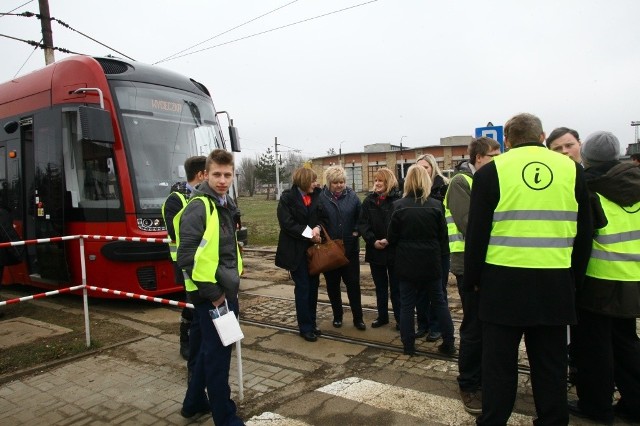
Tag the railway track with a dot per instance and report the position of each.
(256, 308)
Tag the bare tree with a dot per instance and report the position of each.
(247, 170)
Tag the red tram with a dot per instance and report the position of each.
(92, 146)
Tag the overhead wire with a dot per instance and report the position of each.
(270, 30)
(26, 60)
(41, 45)
(64, 24)
(15, 8)
(224, 32)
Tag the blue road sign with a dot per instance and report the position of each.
(493, 132)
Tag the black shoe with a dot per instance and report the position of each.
(317, 331)
(409, 351)
(184, 350)
(309, 336)
(447, 349)
(397, 326)
(379, 323)
(337, 323)
(620, 411)
(575, 410)
(359, 325)
(202, 411)
(421, 333)
(434, 336)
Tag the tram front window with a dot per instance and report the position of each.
(162, 128)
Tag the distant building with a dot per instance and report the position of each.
(361, 166)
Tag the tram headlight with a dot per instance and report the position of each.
(151, 224)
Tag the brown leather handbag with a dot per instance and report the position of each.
(326, 256)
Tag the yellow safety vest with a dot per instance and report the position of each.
(207, 256)
(534, 223)
(173, 247)
(615, 253)
(456, 239)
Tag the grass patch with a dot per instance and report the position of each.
(259, 216)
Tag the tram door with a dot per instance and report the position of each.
(40, 171)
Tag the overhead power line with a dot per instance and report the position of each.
(41, 45)
(15, 8)
(64, 24)
(224, 32)
(271, 30)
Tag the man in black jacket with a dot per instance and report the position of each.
(528, 240)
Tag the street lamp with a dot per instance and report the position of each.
(353, 174)
(401, 159)
(635, 125)
(340, 153)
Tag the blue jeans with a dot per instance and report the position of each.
(384, 278)
(306, 295)
(410, 292)
(427, 318)
(211, 370)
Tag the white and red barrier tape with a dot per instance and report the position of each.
(135, 239)
(142, 297)
(41, 295)
(40, 240)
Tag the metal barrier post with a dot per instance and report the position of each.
(239, 359)
(85, 298)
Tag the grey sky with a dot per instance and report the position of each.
(392, 68)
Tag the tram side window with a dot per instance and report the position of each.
(89, 168)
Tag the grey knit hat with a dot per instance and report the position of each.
(599, 147)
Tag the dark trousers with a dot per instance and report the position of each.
(470, 353)
(410, 292)
(350, 274)
(427, 318)
(606, 351)
(306, 295)
(384, 278)
(195, 340)
(211, 370)
(547, 352)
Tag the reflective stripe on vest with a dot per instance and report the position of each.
(534, 223)
(173, 247)
(615, 253)
(206, 258)
(456, 239)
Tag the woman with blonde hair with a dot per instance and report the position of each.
(418, 232)
(373, 225)
(341, 208)
(439, 183)
(427, 321)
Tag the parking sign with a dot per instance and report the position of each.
(493, 132)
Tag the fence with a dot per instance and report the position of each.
(85, 288)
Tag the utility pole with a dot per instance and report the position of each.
(277, 173)
(47, 35)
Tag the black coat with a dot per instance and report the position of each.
(373, 225)
(341, 216)
(419, 234)
(293, 218)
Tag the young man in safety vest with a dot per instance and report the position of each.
(605, 343)
(209, 255)
(180, 193)
(481, 151)
(528, 241)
